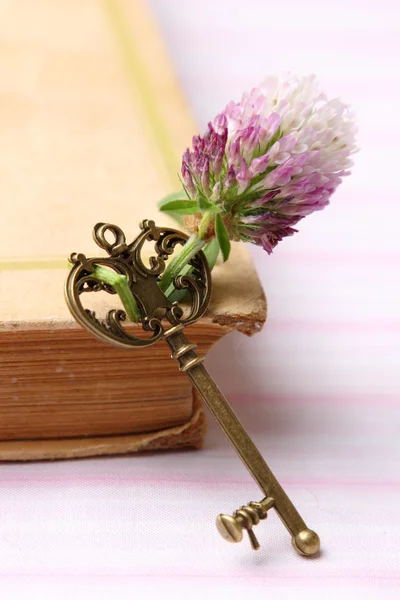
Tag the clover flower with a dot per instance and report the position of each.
(265, 163)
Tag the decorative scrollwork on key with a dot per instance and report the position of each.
(143, 278)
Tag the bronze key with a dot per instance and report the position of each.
(156, 311)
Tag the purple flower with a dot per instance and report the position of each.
(269, 160)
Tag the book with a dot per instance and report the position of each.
(92, 129)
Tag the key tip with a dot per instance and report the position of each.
(307, 542)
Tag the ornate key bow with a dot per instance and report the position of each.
(165, 319)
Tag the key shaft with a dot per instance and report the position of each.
(305, 541)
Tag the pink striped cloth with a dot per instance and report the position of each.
(318, 389)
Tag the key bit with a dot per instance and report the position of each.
(163, 319)
(231, 527)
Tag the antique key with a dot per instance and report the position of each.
(165, 319)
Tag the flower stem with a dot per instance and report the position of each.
(195, 243)
(208, 216)
(120, 284)
(190, 249)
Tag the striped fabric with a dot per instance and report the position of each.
(318, 389)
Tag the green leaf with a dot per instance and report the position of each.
(222, 237)
(174, 211)
(174, 196)
(203, 204)
(211, 251)
(181, 207)
(180, 195)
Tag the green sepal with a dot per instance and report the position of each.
(222, 237)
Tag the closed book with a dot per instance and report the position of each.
(92, 125)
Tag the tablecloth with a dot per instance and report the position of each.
(318, 388)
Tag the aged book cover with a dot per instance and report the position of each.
(92, 126)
